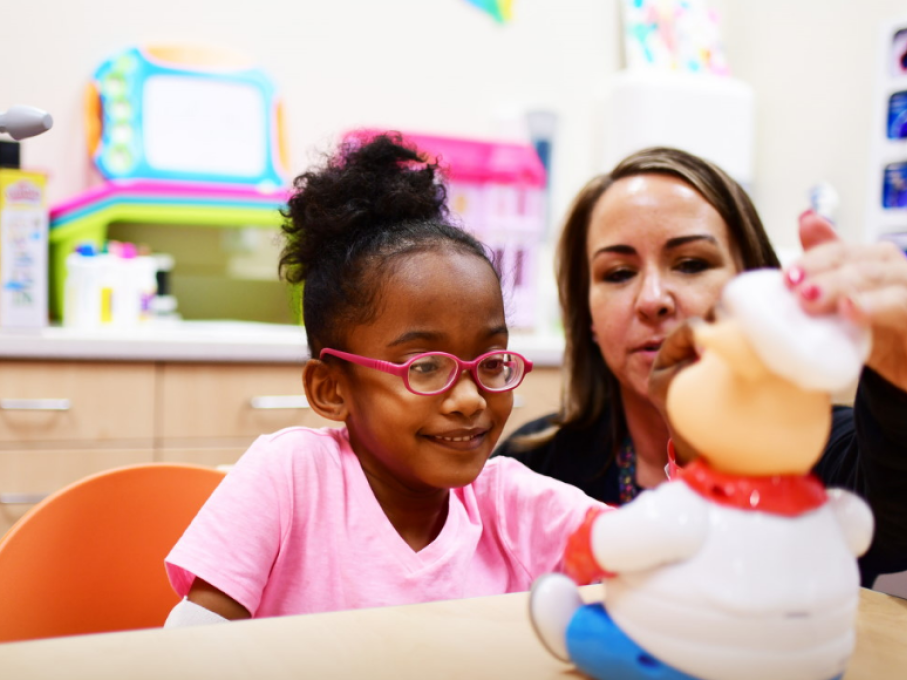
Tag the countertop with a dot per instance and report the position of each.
(214, 341)
(480, 637)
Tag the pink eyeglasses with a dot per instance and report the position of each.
(436, 372)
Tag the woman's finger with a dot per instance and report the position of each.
(815, 230)
(820, 292)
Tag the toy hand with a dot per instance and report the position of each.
(864, 283)
(579, 563)
(676, 353)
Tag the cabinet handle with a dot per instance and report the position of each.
(21, 498)
(279, 401)
(35, 404)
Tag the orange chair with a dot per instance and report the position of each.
(90, 557)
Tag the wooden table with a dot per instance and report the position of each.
(478, 638)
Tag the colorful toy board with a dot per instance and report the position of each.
(185, 113)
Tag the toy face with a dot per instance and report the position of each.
(741, 417)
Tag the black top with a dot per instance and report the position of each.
(866, 453)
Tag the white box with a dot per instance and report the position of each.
(23, 249)
(704, 114)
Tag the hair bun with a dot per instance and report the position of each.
(371, 183)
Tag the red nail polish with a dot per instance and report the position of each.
(811, 293)
(795, 275)
(805, 213)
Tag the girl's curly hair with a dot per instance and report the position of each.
(349, 221)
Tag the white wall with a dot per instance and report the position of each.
(444, 66)
(813, 65)
(420, 65)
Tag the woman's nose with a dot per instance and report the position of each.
(655, 300)
(464, 397)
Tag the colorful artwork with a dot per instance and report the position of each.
(501, 10)
(673, 35)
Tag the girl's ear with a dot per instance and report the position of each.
(323, 390)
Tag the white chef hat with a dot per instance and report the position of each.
(822, 353)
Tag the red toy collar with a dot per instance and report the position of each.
(788, 495)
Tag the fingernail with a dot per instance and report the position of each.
(806, 213)
(794, 276)
(811, 293)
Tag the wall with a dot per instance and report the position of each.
(444, 66)
(812, 64)
(422, 65)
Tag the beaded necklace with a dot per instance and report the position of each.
(626, 471)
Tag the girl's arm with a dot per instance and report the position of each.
(205, 595)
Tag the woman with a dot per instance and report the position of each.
(650, 246)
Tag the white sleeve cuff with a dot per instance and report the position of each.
(188, 613)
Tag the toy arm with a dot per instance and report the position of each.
(579, 562)
(659, 527)
(854, 517)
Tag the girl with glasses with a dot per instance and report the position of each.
(405, 322)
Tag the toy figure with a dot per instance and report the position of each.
(743, 566)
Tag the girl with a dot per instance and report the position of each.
(405, 321)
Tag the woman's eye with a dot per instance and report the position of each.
(692, 266)
(617, 275)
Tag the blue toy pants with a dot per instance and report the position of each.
(602, 650)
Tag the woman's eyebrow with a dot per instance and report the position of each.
(619, 249)
(671, 243)
(683, 240)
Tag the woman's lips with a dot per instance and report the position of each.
(651, 347)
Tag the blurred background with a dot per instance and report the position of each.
(467, 68)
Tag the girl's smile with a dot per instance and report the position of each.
(463, 440)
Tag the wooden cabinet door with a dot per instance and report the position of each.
(220, 402)
(71, 401)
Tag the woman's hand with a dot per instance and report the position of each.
(864, 283)
(676, 353)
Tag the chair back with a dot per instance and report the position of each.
(90, 557)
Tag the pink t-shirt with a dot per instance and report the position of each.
(295, 528)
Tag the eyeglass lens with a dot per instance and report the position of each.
(434, 372)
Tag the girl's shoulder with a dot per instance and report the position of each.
(508, 479)
(298, 446)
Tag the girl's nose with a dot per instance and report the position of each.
(464, 397)
(655, 300)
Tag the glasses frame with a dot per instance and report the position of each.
(402, 370)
